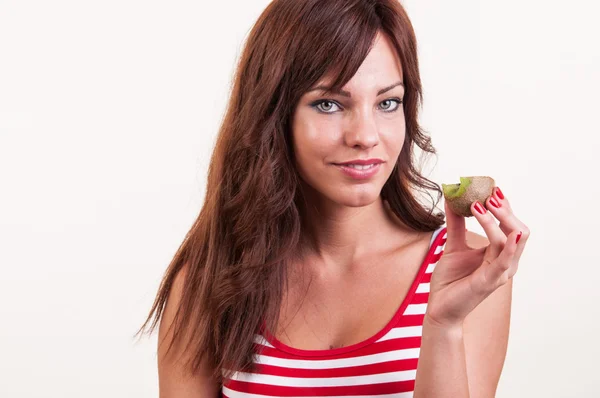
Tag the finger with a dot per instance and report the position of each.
(491, 275)
(491, 228)
(500, 207)
(455, 230)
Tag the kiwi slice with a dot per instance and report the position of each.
(470, 189)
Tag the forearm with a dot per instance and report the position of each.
(442, 369)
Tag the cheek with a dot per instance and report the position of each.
(393, 140)
(309, 154)
(311, 143)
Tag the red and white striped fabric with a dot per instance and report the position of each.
(384, 365)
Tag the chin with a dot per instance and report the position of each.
(343, 193)
(355, 196)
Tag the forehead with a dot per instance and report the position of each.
(382, 59)
(380, 69)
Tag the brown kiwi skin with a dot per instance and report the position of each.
(481, 189)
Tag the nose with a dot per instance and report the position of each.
(361, 131)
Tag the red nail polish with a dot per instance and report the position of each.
(519, 236)
(494, 202)
(499, 193)
(479, 208)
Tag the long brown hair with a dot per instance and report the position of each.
(251, 221)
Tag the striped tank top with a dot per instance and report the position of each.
(384, 365)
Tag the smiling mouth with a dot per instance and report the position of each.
(359, 172)
(359, 166)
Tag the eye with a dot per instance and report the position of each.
(329, 104)
(325, 109)
(398, 101)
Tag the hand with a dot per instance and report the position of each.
(464, 276)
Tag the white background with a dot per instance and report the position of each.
(108, 114)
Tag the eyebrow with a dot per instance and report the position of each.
(327, 89)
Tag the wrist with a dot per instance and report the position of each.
(450, 329)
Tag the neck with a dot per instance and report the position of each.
(340, 236)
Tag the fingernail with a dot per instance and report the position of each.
(479, 208)
(499, 193)
(494, 202)
(519, 236)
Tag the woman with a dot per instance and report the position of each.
(313, 269)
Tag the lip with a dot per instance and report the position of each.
(359, 174)
(361, 162)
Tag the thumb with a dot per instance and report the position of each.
(455, 229)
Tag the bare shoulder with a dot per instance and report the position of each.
(486, 331)
(174, 381)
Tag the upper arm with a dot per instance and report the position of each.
(173, 381)
(486, 331)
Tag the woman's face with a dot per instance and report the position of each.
(329, 129)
